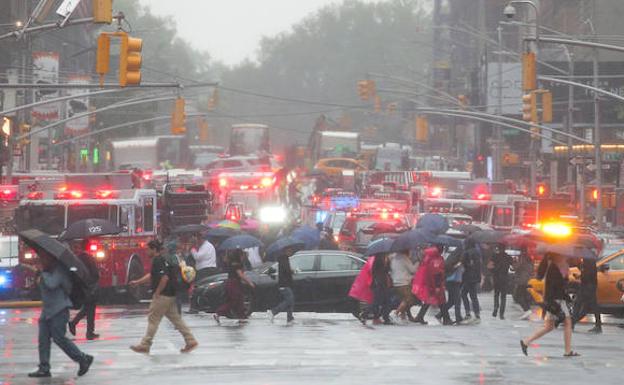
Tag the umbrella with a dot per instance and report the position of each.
(196, 228)
(467, 228)
(250, 225)
(488, 236)
(433, 223)
(446, 240)
(282, 244)
(383, 245)
(311, 237)
(566, 249)
(224, 224)
(384, 227)
(221, 232)
(240, 242)
(41, 241)
(409, 240)
(87, 228)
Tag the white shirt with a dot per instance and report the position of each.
(205, 257)
(253, 254)
(401, 270)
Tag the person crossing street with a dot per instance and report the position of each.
(89, 306)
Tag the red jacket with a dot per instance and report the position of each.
(428, 284)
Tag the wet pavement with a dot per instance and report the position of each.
(318, 349)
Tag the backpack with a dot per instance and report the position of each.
(81, 292)
(182, 274)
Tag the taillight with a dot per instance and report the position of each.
(105, 194)
(28, 255)
(35, 195)
(222, 182)
(100, 254)
(267, 182)
(72, 194)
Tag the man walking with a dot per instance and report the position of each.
(163, 301)
(90, 303)
(471, 281)
(55, 287)
(587, 301)
(285, 282)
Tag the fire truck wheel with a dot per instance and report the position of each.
(136, 271)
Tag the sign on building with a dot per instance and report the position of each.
(46, 71)
(77, 106)
(511, 88)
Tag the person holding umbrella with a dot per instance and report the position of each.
(429, 283)
(285, 283)
(471, 281)
(381, 291)
(402, 272)
(499, 265)
(554, 270)
(587, 301)
(55, 286)
(90, 303)
(163, 301)
(235, 299)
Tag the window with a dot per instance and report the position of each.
(49, 219)
(148, 214)
(124, 215)
(617, 263)
(79, 212)
(138, 220)
(502, 216)
(302, 263)
(339, 263)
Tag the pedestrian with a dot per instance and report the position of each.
(402, 272)
(328, 242)
(499, 265)
(454, 269)
(523, 271)
(586, 302)
(55, 286)
(175, 257)
(554, 270)
(90, 302)
(234, 294)
(163, 302)
(285, 284)
(428, 285)
(380, 308)
(471, 281)
(205, 256)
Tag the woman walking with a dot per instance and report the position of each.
(381, 292)
(429, 283)
(554, 270)
(499, 265)
(234, 289)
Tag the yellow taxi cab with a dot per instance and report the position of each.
(610, 283)
(334, 167)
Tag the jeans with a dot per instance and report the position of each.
(287, 304)
(54, 329)
(87, 310)
(586, 303)
(470, 289)
(160, 307)
(500, 299)
(454, 299)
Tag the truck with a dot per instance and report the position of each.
(152, 153)
(335, 144)
(392, 157)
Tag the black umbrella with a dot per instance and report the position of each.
(42, 242)
(467, 228)
(187, 229)
(87, 228)
(281, 244)
(409, 240)
(240, 242)
(433, 223)
(568, 250)
(488, 236)
(383, 245)
(221, 232)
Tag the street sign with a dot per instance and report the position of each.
(592, 167)
(579, 161)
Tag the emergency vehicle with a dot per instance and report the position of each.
(252, 190)
(374, 217)
(120, 258)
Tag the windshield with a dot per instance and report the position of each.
(79, 212)
(49, 219)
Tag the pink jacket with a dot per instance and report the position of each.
(361, 288)
(428, 283)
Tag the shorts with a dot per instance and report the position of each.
(405, 294)
(564, 309)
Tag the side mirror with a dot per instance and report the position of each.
(604, 268)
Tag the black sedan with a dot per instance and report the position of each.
(322, 279)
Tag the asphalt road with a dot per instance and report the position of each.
(318, 349)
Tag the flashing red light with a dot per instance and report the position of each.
(396, 216)
(93, 247)
(384, 215)
(35, 195)
(223, 182)
(73, 194)
(105, 194)
(541, 190)
(436, 192)
(8, 194)
(482, 196)
(147, 175)
(595, 194)
(267, 182)
(244, 187)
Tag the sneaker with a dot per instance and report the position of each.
(476, 321)
(72, 328)
(502, 317)
(290, 322)
(595, 330)
(495, 313)
(526, 315)
(189, 347)
(85, 365)
(140, 349)
(420, 321)
(216, 318)
(468, 317)
(40, 374)
(270, 315)
(93, 336)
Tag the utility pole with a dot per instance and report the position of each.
(498, 137)
(597, 141)
(570, 116)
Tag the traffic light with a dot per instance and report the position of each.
(213, 101)
(392, 107)
(7, 126)
(102, 11)
(378, 103)
(463, 101)
(529, 107)
(130, 60)
(24, 130)
(422, 129)
(529, 71)
(547, 111)
(102, 59)
(542, 190)
(178, 117)
(204, 131)
(366, 89)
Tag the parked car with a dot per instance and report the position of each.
(322, 279)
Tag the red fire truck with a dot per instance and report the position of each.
(121, 258)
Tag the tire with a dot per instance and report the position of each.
(136, 271)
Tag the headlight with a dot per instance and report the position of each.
(274, 214)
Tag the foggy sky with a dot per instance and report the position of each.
(230, 30)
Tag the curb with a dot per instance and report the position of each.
(19, 304)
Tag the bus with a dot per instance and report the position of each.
(153, 153)
(249, 139)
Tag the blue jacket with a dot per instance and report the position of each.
(55, 288)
